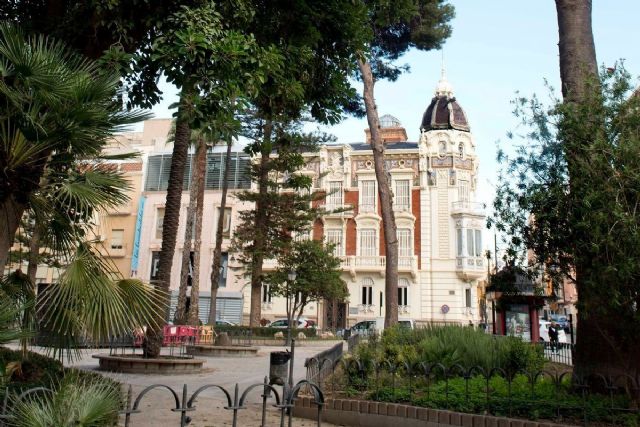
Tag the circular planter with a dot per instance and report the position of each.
(136, 364)
(221, 350)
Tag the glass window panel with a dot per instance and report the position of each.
(478, 234)
(368, 246)
(368, 196)
(459, 241)
(470, 245)
(334, 236)
(117, 238)
(159, 222)
(401, 199)
(404, 242)
(334, 199)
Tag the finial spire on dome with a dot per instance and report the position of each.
(444, 88)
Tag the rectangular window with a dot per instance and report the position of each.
(155, 262)
(226, 222)
(334, 199)
(239, 171)
(459, 241)
(367, 295)
(159, 222)
(404, 242)
(222, 278)
(334, 237)
(478, 242)
(117, 237)
(368, 242)
(470, 245)
(402, 195)
(463, 191)
(403, 296)
(368, 196)
(467, 298)
(266, 294)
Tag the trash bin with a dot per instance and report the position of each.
(279, 367)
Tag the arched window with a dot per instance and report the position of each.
(367, 291)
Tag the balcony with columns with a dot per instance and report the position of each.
(364, 264)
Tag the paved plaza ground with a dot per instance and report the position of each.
(226, 372)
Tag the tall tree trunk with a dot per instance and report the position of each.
(181, 308)
(217, 253)
(200, 166)
(10, 214)
(578, 66)
(261, 224)
(34, 256)
(386, 202)
(153, 339)
(597, 347)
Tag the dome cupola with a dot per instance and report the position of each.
(444, 112)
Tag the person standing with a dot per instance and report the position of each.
(553, 336)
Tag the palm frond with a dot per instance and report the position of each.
(87, 303)
(75, 402)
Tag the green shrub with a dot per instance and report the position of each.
(451, 345)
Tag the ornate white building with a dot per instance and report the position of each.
(439, 223)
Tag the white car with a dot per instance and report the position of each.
(544, 332)
(283, 323)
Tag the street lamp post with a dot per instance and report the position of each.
(291, 278)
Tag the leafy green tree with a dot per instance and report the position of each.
(569, 195)
(287, 199)
(317, 42)
(393, 28)
(317, 277)
(212, 64)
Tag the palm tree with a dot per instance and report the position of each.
(58, 112)
(194, 214)
(56, 106)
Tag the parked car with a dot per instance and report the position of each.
(284, 324)
(544, 332)
(220, 322)
(561, 320)
(369, 327)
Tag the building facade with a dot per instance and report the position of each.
(439, 223)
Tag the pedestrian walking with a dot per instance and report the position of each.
(553, 336)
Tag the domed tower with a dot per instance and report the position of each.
(452, 219)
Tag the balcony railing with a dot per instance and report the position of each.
(366, 208)
(468, 207)
(343, 210)
(402, 207)
(470, 266)
(353, 264)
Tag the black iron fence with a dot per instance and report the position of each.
(561, 396)
(185, 403)
(321, 365)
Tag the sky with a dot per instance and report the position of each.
(497, 48)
